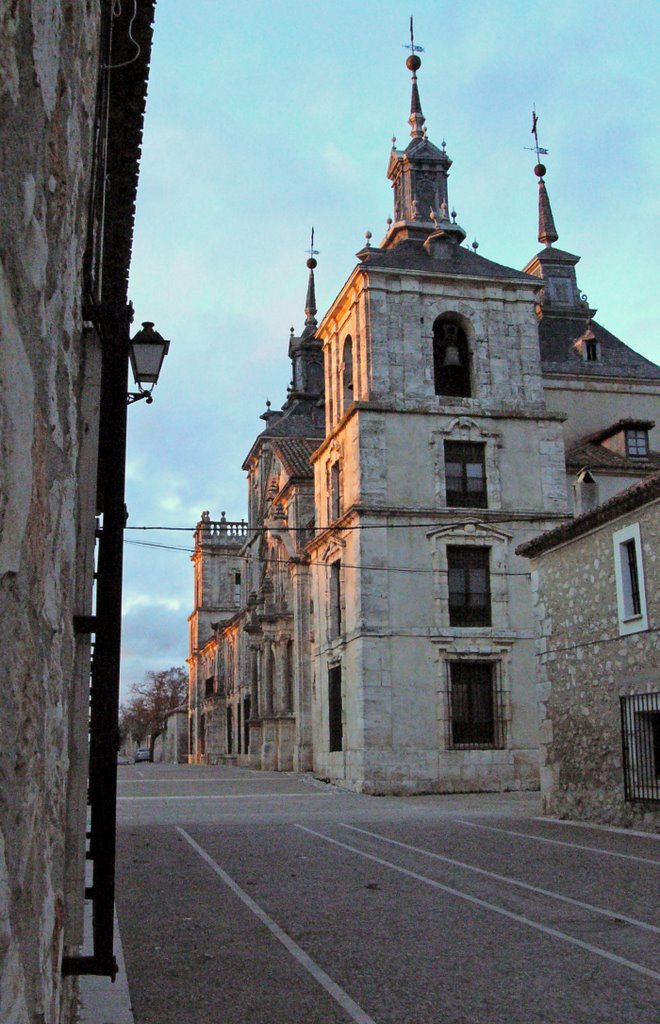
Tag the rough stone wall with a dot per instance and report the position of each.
(48, 75)
(583, 672)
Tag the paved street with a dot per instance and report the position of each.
(266, 898)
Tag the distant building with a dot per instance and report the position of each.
(171, 745)
(385, 634)
(70, 137)
(596, 585)
(250, 668)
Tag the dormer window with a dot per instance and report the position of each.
(589, 348)
(637, 444)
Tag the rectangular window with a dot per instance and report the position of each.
(335, 491)
(237, 589)
(469, 586)
(629, 577)
(591, 351)
(208, 686)
(465, 475)
(640, 737)
(637, 443)
(335, 709)
(335, 599)
(230, 731)
(475, 705)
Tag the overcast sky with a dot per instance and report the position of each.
(264, 118)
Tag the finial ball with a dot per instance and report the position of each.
(311, 263)
(413, 63)
(539, 170)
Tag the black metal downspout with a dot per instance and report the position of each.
(104, 703)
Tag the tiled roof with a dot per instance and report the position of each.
(615, 428)
(558, 334)
(639, 494)
(294, 454)
(411, 255)
(596, 456)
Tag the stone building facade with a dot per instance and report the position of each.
(53, 92)
(250, 672)
(468, 406)
(599, 660)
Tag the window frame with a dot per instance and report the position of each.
(335, 616)
(631, 599)
(335, 710)
(633, 438)
(464, 463)
(474, 741)
(640, 742)
(471, 614)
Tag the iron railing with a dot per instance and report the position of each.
(640, 737)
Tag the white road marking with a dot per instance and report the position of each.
(508, 880)
(557, 842)
(232, 796)
(545, 929)
(354, 1011)
(600, 828)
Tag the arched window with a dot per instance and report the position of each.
(451, 359)
(347, 373)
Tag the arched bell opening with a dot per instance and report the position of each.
(451, 358)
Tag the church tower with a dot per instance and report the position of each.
(607, 392)
(440, 458)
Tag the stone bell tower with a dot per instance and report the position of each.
(440, 457)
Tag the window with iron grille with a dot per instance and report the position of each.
(476, 712)
(637, 443)
(469, 585)
(465, 475)
(640, 739)
(335, 709)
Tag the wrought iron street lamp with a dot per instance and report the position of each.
(147, 350)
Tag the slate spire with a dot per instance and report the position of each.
(413, 63)
(547, 230)
(310, 300)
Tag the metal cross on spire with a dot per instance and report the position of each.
(312, 252)
(536, 148)
(411, 45)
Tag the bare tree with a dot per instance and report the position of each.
(149, 703)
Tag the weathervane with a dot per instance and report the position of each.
(411, 45)
(312, 252)
(536, 148)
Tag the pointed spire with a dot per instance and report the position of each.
(547, 230)
(413, 63)
(310, 301)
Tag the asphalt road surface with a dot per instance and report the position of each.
(265, 898)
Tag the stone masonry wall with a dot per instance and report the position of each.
(48, 76)
(581, 679)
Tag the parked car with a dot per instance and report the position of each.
(143, 754)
